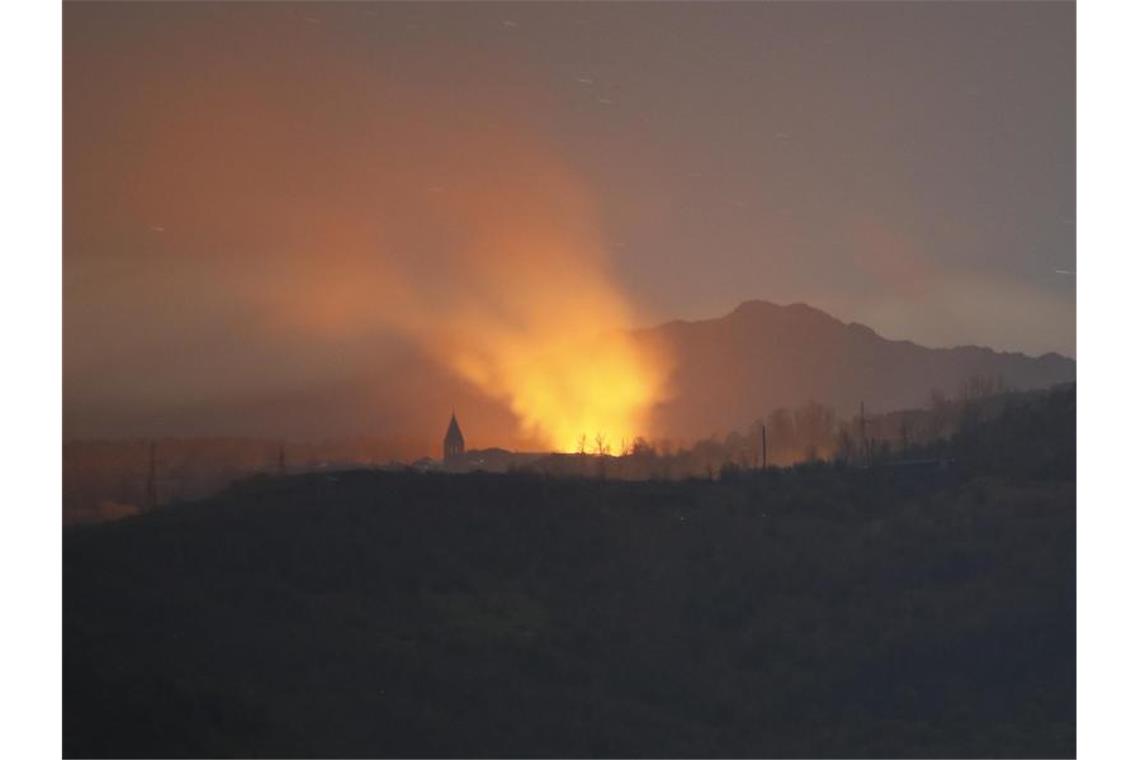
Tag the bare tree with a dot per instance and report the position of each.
(601, 448)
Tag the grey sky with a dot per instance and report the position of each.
(907, 164)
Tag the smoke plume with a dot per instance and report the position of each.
(311, 215)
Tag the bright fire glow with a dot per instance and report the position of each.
(564, 385)
(501, 277)
(447, 217)
(542, 334)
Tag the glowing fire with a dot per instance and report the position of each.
(541, 333)
(537, 324)
(518, 301)
(444, 216)
(566, 387)
(572, 396)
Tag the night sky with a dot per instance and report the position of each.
(907, 165)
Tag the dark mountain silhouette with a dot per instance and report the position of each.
(762, 356)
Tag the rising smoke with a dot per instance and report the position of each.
(327, 205)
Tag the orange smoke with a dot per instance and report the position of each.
(516, 299)
(338, 204)
(554, 358)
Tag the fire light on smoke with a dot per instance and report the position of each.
(565, 376)
(601, 386)
(520, 304)
(501, 278)
(438, 211)
(521, 307)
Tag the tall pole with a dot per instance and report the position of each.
(764, 446)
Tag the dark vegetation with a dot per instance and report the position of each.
(812, 432)
(825, 610)
(108, 480)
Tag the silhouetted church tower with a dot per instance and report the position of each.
(452, 442)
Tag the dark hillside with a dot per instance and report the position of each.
(808, 612)
(763, 356)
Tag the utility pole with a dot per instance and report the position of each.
(764, 446)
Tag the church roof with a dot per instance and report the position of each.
(453, 432)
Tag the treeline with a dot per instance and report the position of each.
(813, 433)
(112, 479)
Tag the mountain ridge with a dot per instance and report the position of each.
(802, 305)
(761, 356)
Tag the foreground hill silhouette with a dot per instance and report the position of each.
(820, 611)
(763, 356)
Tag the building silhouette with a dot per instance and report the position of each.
(452, 442)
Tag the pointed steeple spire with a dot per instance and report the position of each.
(453, 445)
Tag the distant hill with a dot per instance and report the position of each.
(762, 356)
